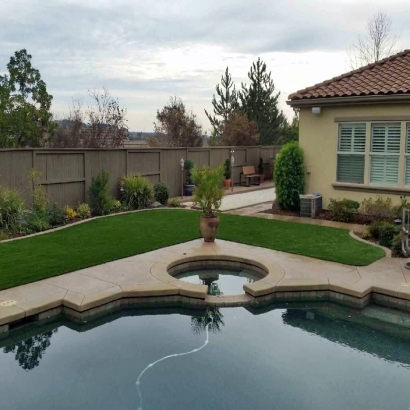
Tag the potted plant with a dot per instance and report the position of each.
(189, 181)
(208, 196)
(227, 173)
(261, 170)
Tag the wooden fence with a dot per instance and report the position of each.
(67, 173)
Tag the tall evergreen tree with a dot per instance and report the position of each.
(225, 106)
(260, 104)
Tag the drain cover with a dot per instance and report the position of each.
(8, 303)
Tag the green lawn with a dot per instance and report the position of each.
(116, 237)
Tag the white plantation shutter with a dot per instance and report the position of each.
(351, 148)
(385, 153)
(407, 157)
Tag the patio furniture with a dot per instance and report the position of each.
(248, 172)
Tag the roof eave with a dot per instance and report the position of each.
(348, 100)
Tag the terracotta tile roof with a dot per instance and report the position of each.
(388, 76)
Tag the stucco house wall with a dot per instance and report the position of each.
(318, 137)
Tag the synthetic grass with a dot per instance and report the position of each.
(106, 239)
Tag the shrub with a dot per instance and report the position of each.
(161, 192)
(83, 211)
(379, 208)
(115, 205)
(38, 193)
(12, 210)
(3, 235)
(188, 166)
(374, 229)
(289, 176)
(37, 222)
(228, 169)
(70, 214)
(100, 198)
(174, 202)
(387, 232)
(208, 191)
(56, 214)
(396, 249)
(138, 191)
(342, 210)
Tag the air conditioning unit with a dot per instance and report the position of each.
(310, 205)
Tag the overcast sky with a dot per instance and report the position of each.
(144, 51)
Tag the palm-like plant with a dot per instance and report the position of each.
(208, 192)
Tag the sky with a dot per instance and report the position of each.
(145, 51)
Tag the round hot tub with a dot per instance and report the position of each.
(222, 276)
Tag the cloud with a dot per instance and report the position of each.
(146, 51)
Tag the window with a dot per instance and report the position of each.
(407, 157)
(385, 154)
(350, 153)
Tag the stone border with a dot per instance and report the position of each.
(376, 245)
(272, 288)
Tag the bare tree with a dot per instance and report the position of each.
(238, 130)
(102, 125)
(377, 43)
(175, 127)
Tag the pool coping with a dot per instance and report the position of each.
(273, 287)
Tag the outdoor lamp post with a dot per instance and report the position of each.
(181, 162)
(232, 162)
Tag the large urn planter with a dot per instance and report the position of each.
(189, 189)
(209, 227)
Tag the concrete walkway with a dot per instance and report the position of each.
(245, 198)
(145, 278)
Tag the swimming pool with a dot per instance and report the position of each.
(318, 356)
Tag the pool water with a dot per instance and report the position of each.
(220, 281)
(315, 357)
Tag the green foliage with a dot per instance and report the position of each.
(38, 194)
(260, 166)
(380, 208)
(208, 191)
(188, 166)
(396, 246)
(56, 214)
(224, 108)
(99, 194)
(161, 192)
(387, 232)
(342, 210)
(138, 192)
(12, 210)
(83, 211)
(289, 176)
(374, 229)
(261, 104)
(3, 235)
(174, 202)
(37, 222)
(25, 117)
(227, 168)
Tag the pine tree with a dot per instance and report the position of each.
(260, 103)
(225, 106)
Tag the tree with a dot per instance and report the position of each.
(176, 127)
(105, 128)
(260, 103)
(290, 131)
(239, 131)
(25, 117)
(29, 352)
(227, 104)
(377, 43)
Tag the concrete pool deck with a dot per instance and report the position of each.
(143, 281)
